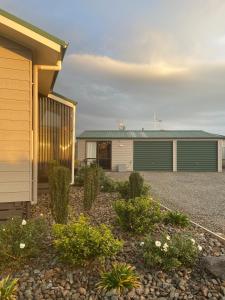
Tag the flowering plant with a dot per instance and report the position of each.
(21, 238)
(170, 252)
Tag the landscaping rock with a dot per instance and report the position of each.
(215, 265)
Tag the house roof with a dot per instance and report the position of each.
(148, 134)
(46, 48)
(33, 28)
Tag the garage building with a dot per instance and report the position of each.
(152, 150)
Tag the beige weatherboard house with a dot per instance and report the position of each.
(152, 150)
(36, 124)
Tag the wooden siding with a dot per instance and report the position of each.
(122, 153)
(15, 124)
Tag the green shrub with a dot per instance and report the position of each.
(176, 218)
(126, 192)
(91, 186)
(170, 252)
(80, 243)
(137, 215)
(20, 239)
(136, 183)
(59, 186)
(79, 178)
(8, 288)
(123, 189)
(108, 185)
(121, 277)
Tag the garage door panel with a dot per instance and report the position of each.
(153, 156)
(197, 156)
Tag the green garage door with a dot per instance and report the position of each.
(153, 156)
(197, 156)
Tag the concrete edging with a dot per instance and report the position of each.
(199, 226)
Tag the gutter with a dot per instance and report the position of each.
(36, 68)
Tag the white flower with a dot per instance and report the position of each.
(41, 215)
(142, 244)
(168, 238)
(199, 248)
(22, 245)
(193, 241)
(24, 222)
(158, 243)
(165, 247)
(3, 229)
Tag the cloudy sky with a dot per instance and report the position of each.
(128, 59)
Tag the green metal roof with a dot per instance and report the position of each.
(34, 28)
(148, 134)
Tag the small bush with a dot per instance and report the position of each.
(8, 288)
(80, 243)
(91, 186)
(123, 189)
(176, 218)
(127, 191)
(121, 277)
(59, 186)
(137, 215)
(108, 185)
(170, 252)
(136, 183)
(20, 239)
(79, 178)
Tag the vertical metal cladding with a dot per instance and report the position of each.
(197, 156)
(55, 135)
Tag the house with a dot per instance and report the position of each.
(152, 150)
(37, 125)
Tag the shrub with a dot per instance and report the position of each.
(136, 183)
(123, 189)
(91, 186)
(20, 239)
(137, 215)
(121, 277)
(80, 243)
(59, 185)
(8, 288)
(108, 185)
(127, 192)
(170, 252)
(176, 218)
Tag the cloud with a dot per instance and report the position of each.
(108, 66)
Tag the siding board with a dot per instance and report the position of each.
(15, 122)
(122, 153)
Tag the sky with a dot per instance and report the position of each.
(130, 59)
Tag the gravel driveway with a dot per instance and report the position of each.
(200, 195)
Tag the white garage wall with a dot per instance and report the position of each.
(122, 153)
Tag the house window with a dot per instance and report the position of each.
(91, 152)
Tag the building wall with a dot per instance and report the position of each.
(81, 150)
(15, 122)
(122, 153)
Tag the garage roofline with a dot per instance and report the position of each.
(149, 135)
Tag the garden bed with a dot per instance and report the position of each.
(46, 278)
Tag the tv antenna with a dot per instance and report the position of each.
(156, 122)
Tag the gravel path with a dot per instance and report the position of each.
(200, 195)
